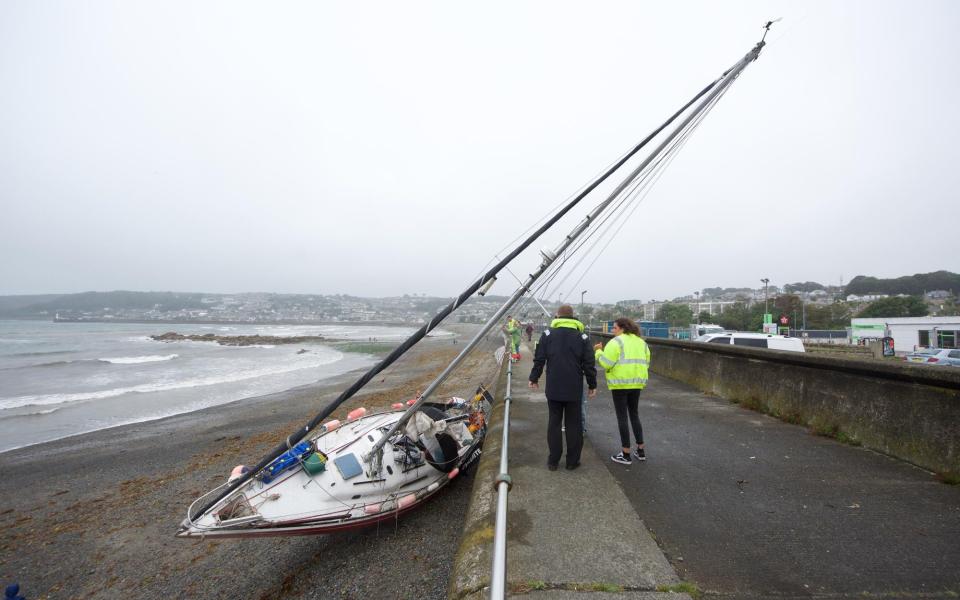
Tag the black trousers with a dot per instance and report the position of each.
(625, 401)
(568, 414)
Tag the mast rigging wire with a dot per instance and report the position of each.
(550, 256)
(635, 196)
(644, 182)
(638, 194)
(302, 432)
(553, 209)
(627, 204)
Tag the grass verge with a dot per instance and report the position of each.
(684, 587)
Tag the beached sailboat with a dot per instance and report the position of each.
(329, 476)
(321, 484)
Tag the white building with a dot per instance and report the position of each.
(714, 307)
(651, 310)
(909, 333)
(866, 297)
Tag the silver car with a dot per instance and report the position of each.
(935, 356)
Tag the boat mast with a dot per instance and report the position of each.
(485, 280)
(549, 257)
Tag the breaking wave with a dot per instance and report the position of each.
(146, 388)
(251, 346)
(28, 415)
(135, 360)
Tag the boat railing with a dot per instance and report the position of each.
(190, 514)
(498, 571)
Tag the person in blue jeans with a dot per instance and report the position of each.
(583, 411)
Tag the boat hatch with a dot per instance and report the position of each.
(348, 465)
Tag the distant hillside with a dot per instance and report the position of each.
(805, 286)
(20, 307)
(912, 285)
(241, 307)
(714, 292)
(12, 303)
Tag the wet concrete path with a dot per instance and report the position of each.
(747, 506)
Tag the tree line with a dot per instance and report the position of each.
(746, 316)
(911, 285)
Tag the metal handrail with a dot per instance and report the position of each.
(498, 571)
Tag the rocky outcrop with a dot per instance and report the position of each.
(238, 340)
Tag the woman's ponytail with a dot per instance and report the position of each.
(627, 325)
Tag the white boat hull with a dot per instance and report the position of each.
(349, 493)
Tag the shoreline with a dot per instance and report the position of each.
(362, 351)
(334, 379)
(211, 322)
(303, 388)
(319, 386)
(94, 514)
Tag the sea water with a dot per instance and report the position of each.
(62, 379)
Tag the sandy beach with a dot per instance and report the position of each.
(93, 516)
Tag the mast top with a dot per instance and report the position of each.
(766, 31)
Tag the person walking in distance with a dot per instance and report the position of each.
(513, 330)
(564, 350)
(626, 360)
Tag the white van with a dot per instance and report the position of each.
(754, 340)
(696, 330)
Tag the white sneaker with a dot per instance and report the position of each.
(620, 457)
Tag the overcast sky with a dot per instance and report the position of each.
(386, 148)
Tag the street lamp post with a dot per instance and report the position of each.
(765, 282)
(582, 294)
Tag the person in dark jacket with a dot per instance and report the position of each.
(565, 351)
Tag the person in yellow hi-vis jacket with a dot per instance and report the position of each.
(513, 330)
(626, 360)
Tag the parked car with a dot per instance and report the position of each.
(935, 356)
(754, 340)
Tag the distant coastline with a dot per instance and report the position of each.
(210, 321)
(238, 340)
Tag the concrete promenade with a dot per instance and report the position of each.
(741, 505)
(571, 534)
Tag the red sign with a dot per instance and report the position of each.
(784, 319)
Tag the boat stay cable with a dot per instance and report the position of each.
(485, 280)
(496, 256)
(625, 207)
(543, 285)
(637, 195)
(549, 257)
(628, 203)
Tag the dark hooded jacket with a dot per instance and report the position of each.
(566, 353)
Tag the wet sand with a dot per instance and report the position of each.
(93, 516)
